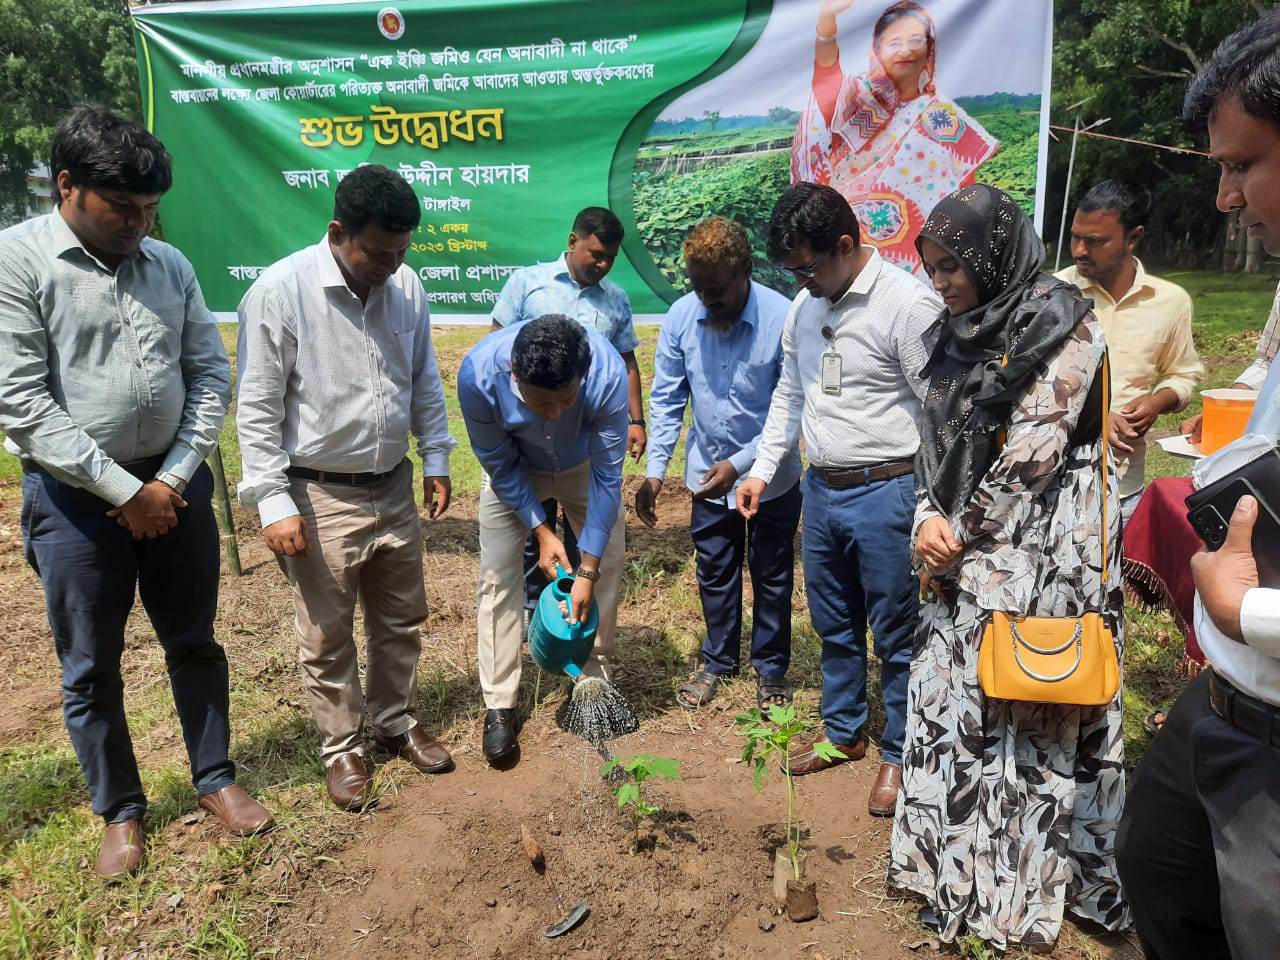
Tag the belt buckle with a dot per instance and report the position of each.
(866, 476)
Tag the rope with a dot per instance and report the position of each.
(1140, 143)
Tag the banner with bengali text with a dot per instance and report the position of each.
(508, 116)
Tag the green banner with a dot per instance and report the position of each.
(507, 116)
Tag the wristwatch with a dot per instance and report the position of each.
(589, 575)
(638, 423)
(173, 480)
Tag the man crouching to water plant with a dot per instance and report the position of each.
(545, 405)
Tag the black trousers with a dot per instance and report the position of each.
(1199, 842)
(721, 537)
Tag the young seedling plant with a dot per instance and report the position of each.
(630, 794)
(768, 739)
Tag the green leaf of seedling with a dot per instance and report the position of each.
(607, 770)
(759, 773)
(647, 809)
(782, 716)
(628, 793)
(667, 768)
(826, 750)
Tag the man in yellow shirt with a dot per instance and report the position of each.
(1146, 322)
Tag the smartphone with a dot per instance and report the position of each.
(1210, 517)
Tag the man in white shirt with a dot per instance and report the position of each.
(337, 370)
(1199, 843)
(1252, 376)
(852, 352)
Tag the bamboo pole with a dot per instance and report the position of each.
(228, 523)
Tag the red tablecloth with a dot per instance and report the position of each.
(1158, 544)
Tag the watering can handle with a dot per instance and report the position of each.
(561, 572)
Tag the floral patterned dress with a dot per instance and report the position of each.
(1008, 811)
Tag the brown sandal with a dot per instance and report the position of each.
(699, 691)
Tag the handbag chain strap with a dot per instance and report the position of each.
(1077, 638)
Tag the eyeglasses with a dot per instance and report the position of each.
(914, 44)
(806, 273)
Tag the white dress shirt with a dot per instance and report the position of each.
(1253, 667)
(1254, 374)
(878, 331)
(331, 384)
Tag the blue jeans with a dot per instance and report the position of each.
(857, 571)
(90, 567)
(720, 536)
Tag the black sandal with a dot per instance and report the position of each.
(699, 691)
(772, 693)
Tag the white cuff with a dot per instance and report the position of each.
(1260, 620)
(117, 485)
(181, 461)
(278, 506)
(763, 470)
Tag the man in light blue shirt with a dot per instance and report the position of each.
(721, 347)
(113, 387)
(576, 285)
(545, 406)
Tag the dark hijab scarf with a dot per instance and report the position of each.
(1020, 313)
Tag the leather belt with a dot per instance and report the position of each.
(342, 479)
(844, 478)
(1244, 712)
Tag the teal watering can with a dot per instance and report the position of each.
(556, 645)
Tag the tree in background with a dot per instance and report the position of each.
(712, 117)
(1135, 58)
(55, 54)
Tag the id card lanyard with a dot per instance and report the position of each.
(831, 367)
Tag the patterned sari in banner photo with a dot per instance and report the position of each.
(893, 153)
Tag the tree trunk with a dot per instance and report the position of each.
(1253, 255)
(1231, 244)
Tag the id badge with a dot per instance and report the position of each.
(831, 370)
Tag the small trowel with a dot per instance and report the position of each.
(568, 920)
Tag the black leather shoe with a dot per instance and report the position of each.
(500, 729)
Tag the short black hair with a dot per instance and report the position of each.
(100, 149)
(600, 222)
(551, 352)
(373, 194)
(1129, 201)
(810, 213)
(1245, 65)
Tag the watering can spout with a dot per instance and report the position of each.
(573, 671)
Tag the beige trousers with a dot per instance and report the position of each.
(365, 545)
(500, 595)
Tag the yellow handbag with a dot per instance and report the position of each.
(1064, 660)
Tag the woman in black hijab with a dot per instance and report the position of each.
(1008, 810)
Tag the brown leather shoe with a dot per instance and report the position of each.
(348, 781)
(418, 747)
(121, 852)
(884, 795)
(806, 761)
(239, 813)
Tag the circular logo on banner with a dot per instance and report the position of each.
(391, 23)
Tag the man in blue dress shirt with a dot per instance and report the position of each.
(576, 285)
(721, 347)
(545, 405)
